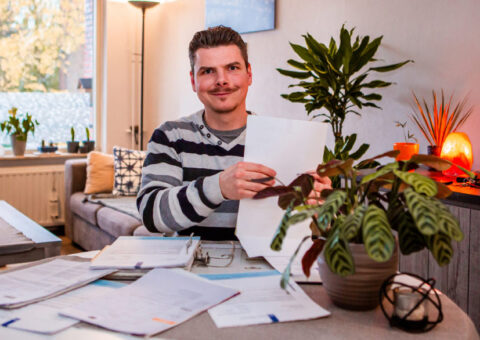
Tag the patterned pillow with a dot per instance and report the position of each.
(128, 170)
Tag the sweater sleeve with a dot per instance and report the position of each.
(164, 202)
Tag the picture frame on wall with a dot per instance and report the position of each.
(244, 16)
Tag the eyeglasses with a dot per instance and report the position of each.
(220, 254)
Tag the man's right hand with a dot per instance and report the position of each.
(236, 181)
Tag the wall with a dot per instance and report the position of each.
(440, 35)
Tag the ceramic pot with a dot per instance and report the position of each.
(18, 146)
(72, 147)
(407, 150)
(89, 145)
(359, 291)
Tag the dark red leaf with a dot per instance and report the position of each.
(311, 255)
(272, 191)
(305, 182)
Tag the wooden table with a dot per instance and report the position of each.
(45, 244)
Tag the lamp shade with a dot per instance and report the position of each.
(143, 4)
(458, 150)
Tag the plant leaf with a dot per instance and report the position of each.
(360, 152)
(441, 248)
(334, 167)
(422, 212)
(272, 191)
(391, 67)
(353, 223)
(286, 273)
(377, 236)
(420, 183)
(281, 231)
(379, 173)
(431, 161)
(311, 255)
(329, 209)
(338, 256)
(409, 238)
(294, 74)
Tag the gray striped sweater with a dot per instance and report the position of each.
(180, 179)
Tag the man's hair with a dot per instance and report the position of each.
(213, 37)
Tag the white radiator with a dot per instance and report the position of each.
(36, 191)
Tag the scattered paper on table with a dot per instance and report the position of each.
(262, 300)
(290, 147)
(37, 281)
(161, 299)
(43, 317)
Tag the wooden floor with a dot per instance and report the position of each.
(68, 247)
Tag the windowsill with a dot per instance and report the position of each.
(37, 158)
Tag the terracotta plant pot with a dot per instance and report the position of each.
(18, 146)
(359, 291)
(407, 150)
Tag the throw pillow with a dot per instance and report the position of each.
(99, 173)
(128, 171)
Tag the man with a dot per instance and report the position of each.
(194, 174)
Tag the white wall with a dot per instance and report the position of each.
(440, 35)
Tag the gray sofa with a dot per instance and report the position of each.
(90, 225)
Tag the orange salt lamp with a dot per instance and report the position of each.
(458, 150)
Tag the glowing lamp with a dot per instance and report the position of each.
(458, 150)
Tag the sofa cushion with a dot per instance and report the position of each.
(116, 223)
(128, 171)
(84, 209)
(99, 173)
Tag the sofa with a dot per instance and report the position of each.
(92, 226)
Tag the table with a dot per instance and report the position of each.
(45, 243)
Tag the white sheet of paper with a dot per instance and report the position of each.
(129, 252)
(290, 147)
(43, 317)
(22, 286)
(262, 300)
(159, 300)
(296, 271)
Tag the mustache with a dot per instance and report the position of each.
(224, 90)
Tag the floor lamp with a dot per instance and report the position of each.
(143, 5)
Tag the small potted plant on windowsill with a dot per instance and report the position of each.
(406, 149)
(88, 145)
(18, 127)
(72, 145)
(354, 229)
(47, 149)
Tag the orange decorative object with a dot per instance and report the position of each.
(407, 150)
(458, 150)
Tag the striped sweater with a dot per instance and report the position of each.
(180, 179)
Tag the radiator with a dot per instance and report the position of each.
(36, 191)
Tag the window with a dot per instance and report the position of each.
(46, 66)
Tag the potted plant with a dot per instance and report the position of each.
(18, 127)
(72, 145)
(440, 120)
(88, 145)
(359, 228)
(406, 149)
(47, 149)
(339, 83)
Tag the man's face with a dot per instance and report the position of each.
(221, 79)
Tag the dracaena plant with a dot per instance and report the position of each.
(339, 83)
(370, 210)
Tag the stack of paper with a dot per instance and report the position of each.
(139, 252)
(42, 317)
(44, 279)
(161, 299)
(262, 300)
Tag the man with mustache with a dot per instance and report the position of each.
(194, 173)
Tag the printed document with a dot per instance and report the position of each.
(140, 252)
(42, 317)
(44, 279)
(290, 147)
(161, 299)
(262, 300)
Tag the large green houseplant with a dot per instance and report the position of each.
(338, 82)
(369, 211)
(17, 127)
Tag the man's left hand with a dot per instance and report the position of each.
(320, 184)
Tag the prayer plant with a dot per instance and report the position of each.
(371, 210)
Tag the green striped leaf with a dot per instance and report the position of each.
(377, 236)
(328, 210)
(383, 171)
(420, 183)
(422, 212)
(286, 273)
(409, 238)
(353, 223)
(338, 256)
(447, 223)
(441, 248)
(281, 231)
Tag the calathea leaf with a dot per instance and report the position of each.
(382, 172)
(334, 167)
(273, 191)
(442, 191)
(431, 161)
(409, 238)
(301, 186)
(422, 212)
(419, 183)
(311, 255)
(337, 255)
(327, 211)
(286, 272)
(440, 247)
(353, 223)
(448, 224)
(281, 232)
(377, 236)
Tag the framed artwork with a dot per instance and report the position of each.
(244, 16)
